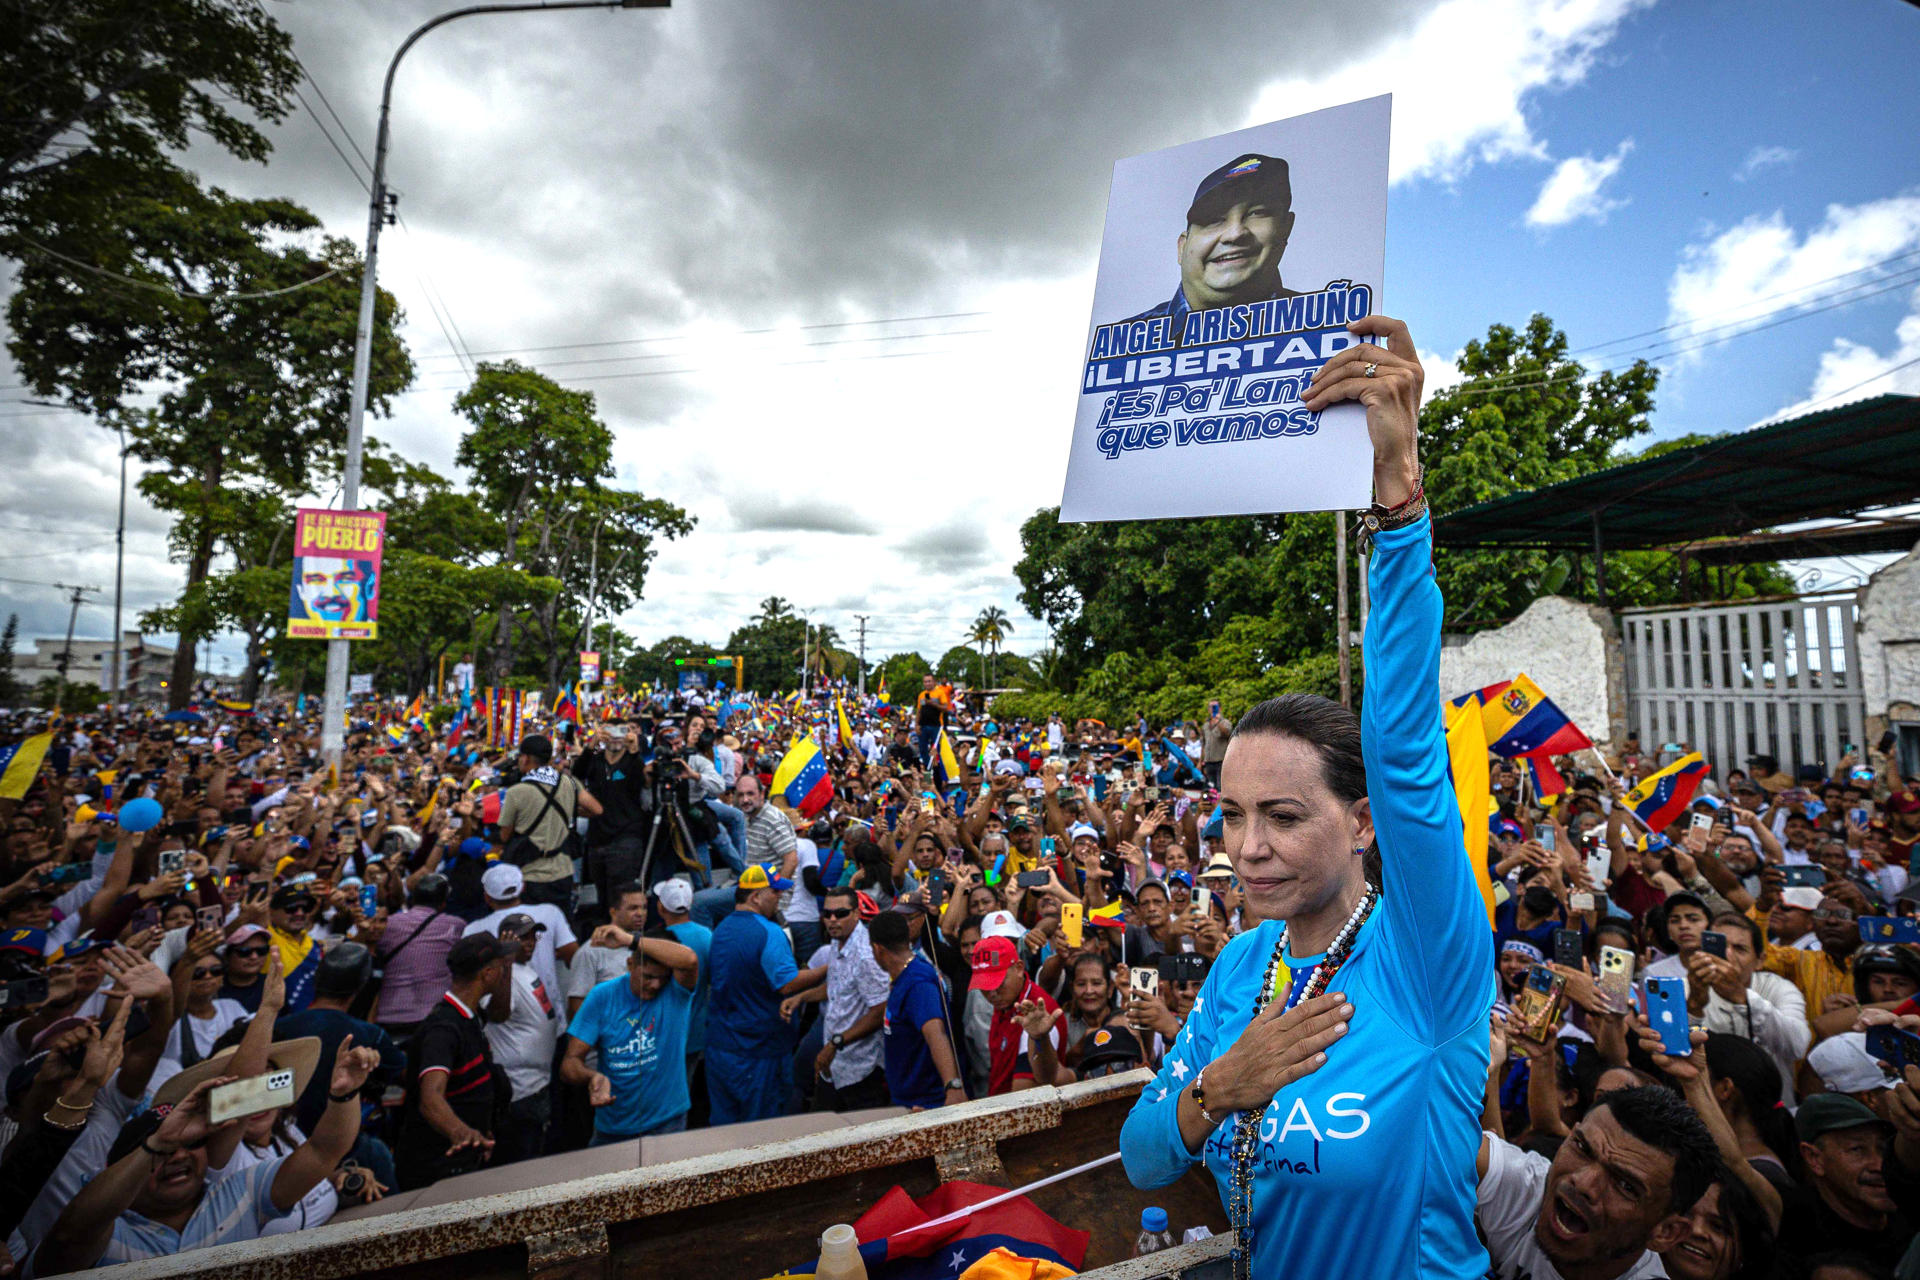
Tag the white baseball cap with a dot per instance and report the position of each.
(502, 880)
(1844, 1066)
(674, 895)
(1001, 924)
(1803, 896)
(1079, 829)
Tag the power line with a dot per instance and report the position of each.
(830, 342)
(738, 333)
(779, 364)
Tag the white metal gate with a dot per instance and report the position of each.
(1779, 678)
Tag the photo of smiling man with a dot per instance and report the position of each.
(335, 593)
(1236, 234)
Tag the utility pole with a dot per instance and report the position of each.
(379, 214)
(66, 652)
(806, 653)
(119, 565)
(863, 654)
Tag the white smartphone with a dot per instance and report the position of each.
(1599, 861)
(250, 1096)
(1145, 980)
(1203, 899)
(1701, 822)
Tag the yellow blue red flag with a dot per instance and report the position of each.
(1660, 798)
(20, 764)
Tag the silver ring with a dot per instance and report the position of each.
(1372, 369)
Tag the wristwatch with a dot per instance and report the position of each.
(837, 1040)
(956, 1084)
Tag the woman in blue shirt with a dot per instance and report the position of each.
(1330, 1074)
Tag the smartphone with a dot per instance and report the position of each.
(1667, 1013)
(1031, 879)
(1599, 862)
(250, 1096)
(1543, 836)
(1616, 977)
(1213, 708)
(1203, 899)
(24, 991)
(1889, 929)
(1701, 822)
(67, 873)
(205, 918)
(172, 860)
(1714, 944)
(1144, 980)
(1536, 1010)
(370, 898)
(1806, 874)
(1580, 901)
(1181, 966)
(1900, 1049)
(1071, 919)
(258, 890)
(1154, 794)
(1568, 952)
(1047, 846)
(1858, 815)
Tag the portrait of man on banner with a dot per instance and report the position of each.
(332, 590)
(335, 593)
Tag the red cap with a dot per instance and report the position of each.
(1907, 801)
(992, 957)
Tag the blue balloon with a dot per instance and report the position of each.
(140, 815)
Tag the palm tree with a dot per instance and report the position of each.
(991, 628)
(775, 609)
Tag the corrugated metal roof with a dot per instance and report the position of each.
(1834, 462)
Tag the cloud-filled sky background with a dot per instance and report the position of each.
(827, 265)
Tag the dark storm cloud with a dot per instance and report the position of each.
(753, 162)
(959, 544)
(800, 514)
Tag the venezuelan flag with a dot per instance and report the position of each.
(1664, 796)
(397, 735)
(20, 765)
(1111, 916)
(846, 729)
(1520, 720)
(567, 707)
(885, 699)
(802, 778)
(1467, 754)
(234, 705)
(417, 709)
(946, 765)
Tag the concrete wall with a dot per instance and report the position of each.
(1572, 651)
(1889, 637)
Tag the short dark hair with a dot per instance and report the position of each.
(741, 895)
(888, 930)
(624, 890)
(1738, 921)
(431, 890)
(537, 747)
(846, 891)
(1663, 1120)
(1334, 734)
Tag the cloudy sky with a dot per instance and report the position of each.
(827, 264)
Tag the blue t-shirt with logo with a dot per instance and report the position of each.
(698, 939)
(1402, 1090)
(752, 960)
(912, 1002)
(643, 1053)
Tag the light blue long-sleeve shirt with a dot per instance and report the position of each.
(1366, 1167)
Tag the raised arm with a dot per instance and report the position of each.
(1430, 902)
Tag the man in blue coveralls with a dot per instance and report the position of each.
(749, 1045)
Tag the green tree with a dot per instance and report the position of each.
(127, 81)
(957, 665)
(990, 630)
(541, 456)
(902, 672)
(238, 312)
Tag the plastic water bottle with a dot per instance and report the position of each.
(840, 1255)
(1154, 1235)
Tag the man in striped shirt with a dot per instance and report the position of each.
(448, 1124)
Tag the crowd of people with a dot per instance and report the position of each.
(458, 955)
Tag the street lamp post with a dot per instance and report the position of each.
(379, 213)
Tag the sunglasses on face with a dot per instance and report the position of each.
(836, 914)
(248, 951)
(214, 972)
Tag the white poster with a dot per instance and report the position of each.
(359, 684)
(1229, 271)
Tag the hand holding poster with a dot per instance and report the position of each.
(336, 574)
(1192, 406)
